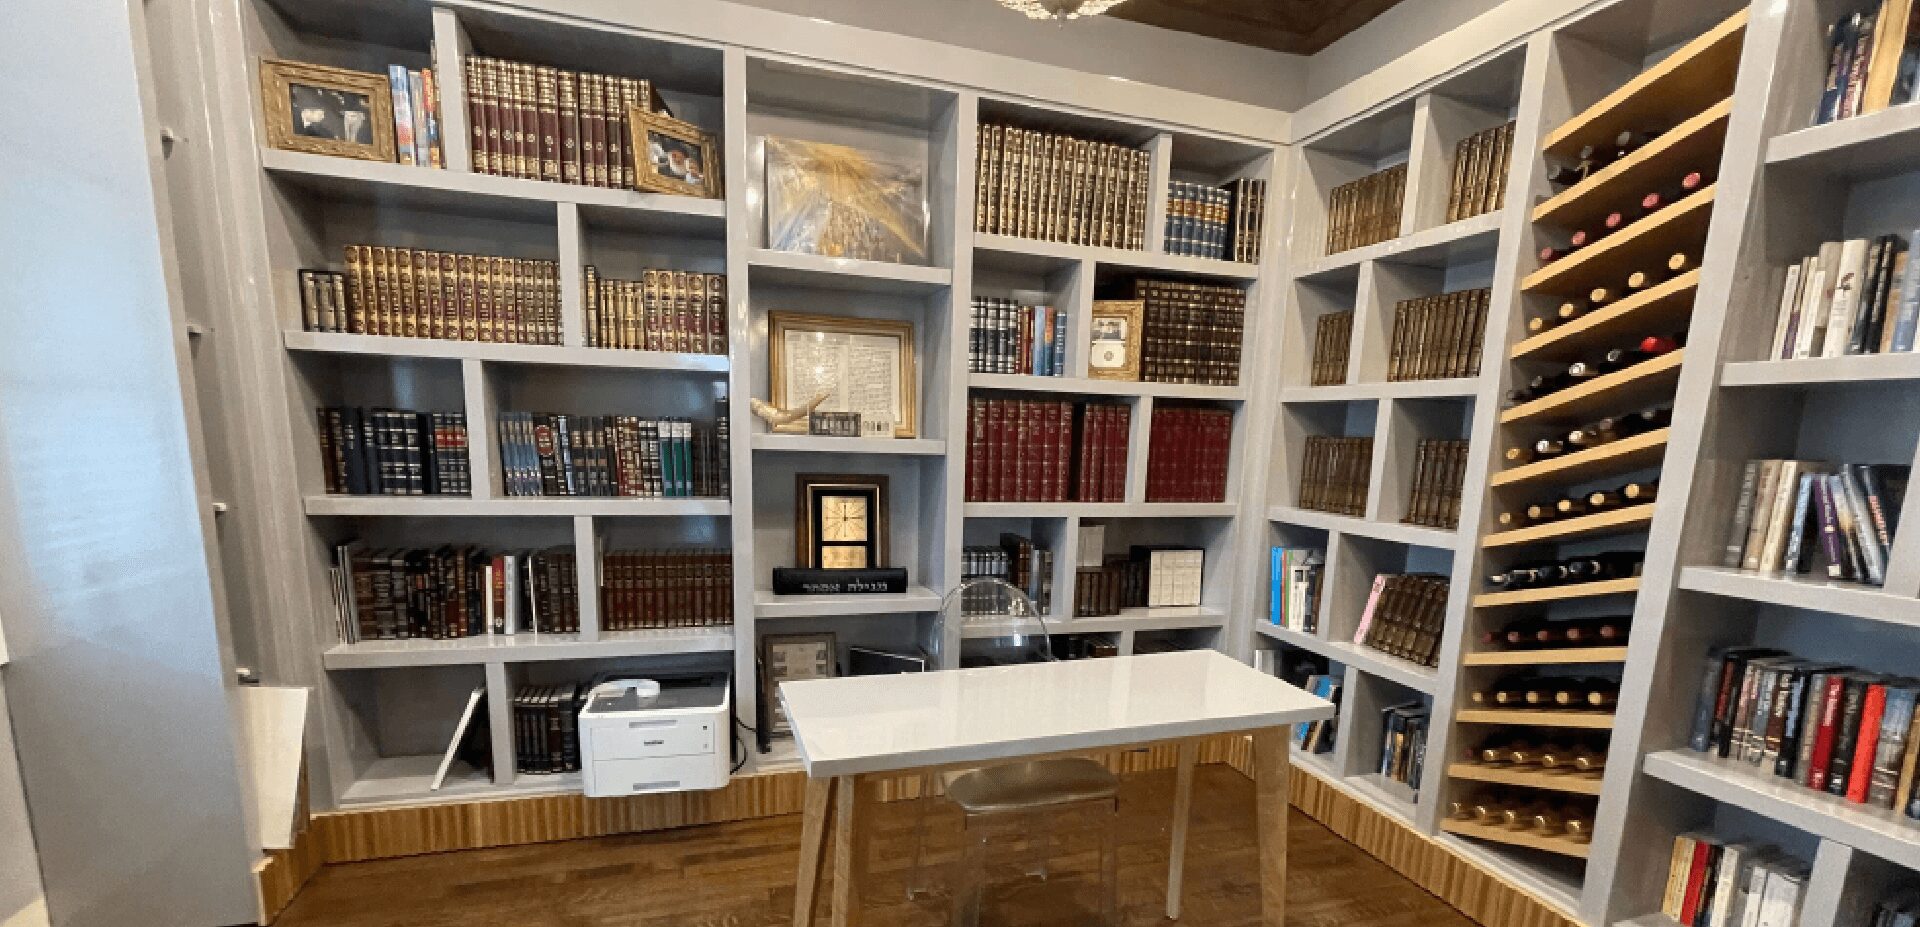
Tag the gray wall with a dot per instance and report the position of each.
(117, 686)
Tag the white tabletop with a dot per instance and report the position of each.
(865, 724)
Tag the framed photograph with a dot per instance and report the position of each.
(864, 366)
(329, 111)
(840, 521)
(838, 201)
(680, 157)
(790, 658)
(1113, 340)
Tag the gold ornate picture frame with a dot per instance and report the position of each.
(673, 156)
(840, 521)
(1114, 337)
(862, 364)
(317, 109)
(792, 657)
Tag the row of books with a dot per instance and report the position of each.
(1332, 347)
(1293, 588)
(1319, 736)
(543, 123)
(1187, 451)
(1034, 450)
(687, 587)
(1334, 473)
(613, 455)
(1857, 296)
(1436, 337)
(1795, 515)
(1439, 469)
(1222, 223)
(546, 729)
(1479, 181)
(1873, 59)
(1713, 882)
(1824, 726)
(1403, 742)
(415, 293)
(1366, 211)
(665, 310)
(416, 116)
(449, 592)
(1102, 591)
(1006, 336)
(1192, 332)
(394, 452)
(1016, 560)
(1404, 616)
(1056, 187)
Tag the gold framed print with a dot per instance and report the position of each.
(1113, 341)
(791, 658)
(864, 366)
(840, 521)
(845, 202)
(678, 156)
(329, 111)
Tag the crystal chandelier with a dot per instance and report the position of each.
(1060, 9)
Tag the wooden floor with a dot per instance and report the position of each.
(741, 875)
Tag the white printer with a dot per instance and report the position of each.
(637, 737)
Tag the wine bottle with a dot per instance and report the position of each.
(1520, 817)
(1650, 419)
(1680, 262)
(1600, 296)
(1570, 310)
(1539, 323)
(1524, 755)
(1519, 455)
(1596, 632)
(1547, 822)
(1487, 810)
(1656, 345)
(1629, 141)
(1560, 176)
(1589, 761)
(1674, 192)
(1609, 565)
(1642, 279)
(1640, 492)
(1601, 500)
(1594, 434)
(1547, 448)
(1579, 239)
(1549, 254)
(1578, 828)
(1571, 507)
(1540, 512)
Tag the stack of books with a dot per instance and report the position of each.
(665, 310)
(1439, 467)
(1334, 474)
(1192, 332)
(416, 116)
(1438, 337)
(1034, 450)
(1104, 590)
(394, 452)
(450, 592)
(546, 731)
(1871, 62)
(1293, 594)
(1332, 346)
(1006, 336)
(1056, 187)
(1804, 516)
(1366, 211)
(685, 587)
(1404, 616)
(1222, 223)
(1860, 296)
(1318, 736)
(1187, 454)
(1479, 182)
(542, 123)
(613, 455)
(415, 293)
(1016, 560)
(1403, 743)
(1713, 882)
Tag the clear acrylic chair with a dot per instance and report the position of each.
(999, 625)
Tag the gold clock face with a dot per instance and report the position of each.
(851, 557)
(843, 520)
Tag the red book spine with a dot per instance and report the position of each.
(1083, 486)
(976, 450)
(989, 456)
(1117, 454)
(1829, 725)
(1861, 772)
(1027, 438)
(1001, 461)
(1063, 451)
(1696, 879)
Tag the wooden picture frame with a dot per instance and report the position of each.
(1114, 337)
(673, 156)
(836, 347)
(792, 657)
(814, 540)
(317, 109)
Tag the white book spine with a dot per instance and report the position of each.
(1812, 313)
(1846, 297)
(1780, 515)
(1763, 496)
(1789, 298)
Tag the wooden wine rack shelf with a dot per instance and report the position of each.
(1599, 524)
(1663, 308)
(1643, 244)
(1619, 391)
(1557, 593)
(1538, 717)
(1562, 845)
(1578, 783)
(1547, 656)
(1692, 144)
(1641, 450)
(1702, 69)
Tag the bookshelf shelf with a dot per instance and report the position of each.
(1139, 619)
(1884, 833)
(1300, 639)
(1406, 673)
(916, 599)
(548, 354)
(1577, 783)
(1417, 535)
(816, 444)
(1579, 720)
(1114, 257)
(407, 778)
(1546, 657)
(1679, 227)
(767, 267)
(1823, 371)
(1393, 797)
(1619, 391)
(1665, 307)
(1091, 387)
(1804, 592)
(1600, 524)
(1451, 388)
(1693, 143)
(1455, 242)
(1861, 148)
(782, 756)
(526, 648)
(1496, 834)
(1101, 509)
(1557, 593)
(557, 507)
(1641, 450)
(1701, 69)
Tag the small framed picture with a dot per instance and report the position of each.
(862, 366)
(330, 111)
(1113, 341)
(791, 658)
(677, 157)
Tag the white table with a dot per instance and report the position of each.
(854, 731)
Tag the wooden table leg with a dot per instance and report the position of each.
(1270, 816)
(1182, 810)
(813, 845)
(852, 832)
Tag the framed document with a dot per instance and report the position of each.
(840, 521)
(864, 366)
(1113, 344)
(790, 658)
(329, 111)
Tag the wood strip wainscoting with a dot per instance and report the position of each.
(361, 834)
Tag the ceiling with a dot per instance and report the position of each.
(1299, 27)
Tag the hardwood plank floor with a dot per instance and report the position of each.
(741, 875)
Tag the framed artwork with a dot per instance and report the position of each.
(680, 157)
(329, 111)
(840, 521)
(1113, 341)
(790, 658)
(863, 366)
(838, 201)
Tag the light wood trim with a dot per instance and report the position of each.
(1271, 795)
(1578, 783)
(1560, 845)
(1601, 192)
(1665, 222)
(1546, 657)
(1671, 299)
(1716, 51)
(283, 873)
(852, 843)
(1625, 454)
(1182, 811)
(1557, 593)
(813, 845)
(1610, 522)
(1584, 720)
(1639, 381)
